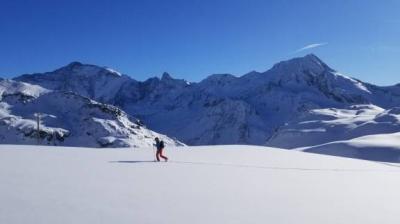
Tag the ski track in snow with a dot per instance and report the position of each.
(258, 167)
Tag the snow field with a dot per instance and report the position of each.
(213, 184)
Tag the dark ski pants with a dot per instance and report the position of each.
(160, 154)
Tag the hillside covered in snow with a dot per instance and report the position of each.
(378, 147)
(66, 118)
(320, 126)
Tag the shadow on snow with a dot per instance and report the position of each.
(134, 161)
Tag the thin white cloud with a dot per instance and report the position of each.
(310, 46)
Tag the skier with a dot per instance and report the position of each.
(160, 146)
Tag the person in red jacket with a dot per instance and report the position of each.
(160, 147)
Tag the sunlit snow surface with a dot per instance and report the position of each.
(380, 147)
(214, 184)
(67, 119)
(321, 126)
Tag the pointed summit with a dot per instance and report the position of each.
(79, 69)
(312, 58)
(167, 79)
(166, 76)
(310, 63)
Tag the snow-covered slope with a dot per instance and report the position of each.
(222, 109)
(10, 88)
(320, 126)
(218, 184)
(100, 83)
(379, 147)
(67, 119)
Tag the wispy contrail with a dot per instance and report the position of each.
(310, 46)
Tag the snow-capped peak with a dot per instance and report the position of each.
(310, 63)
(167, 79)
(87, 70)
(166, 76)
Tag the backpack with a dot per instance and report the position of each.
(162, 144)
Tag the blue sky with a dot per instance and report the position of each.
(192, 39)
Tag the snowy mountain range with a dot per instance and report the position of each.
(296, 103)
(66, 118)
